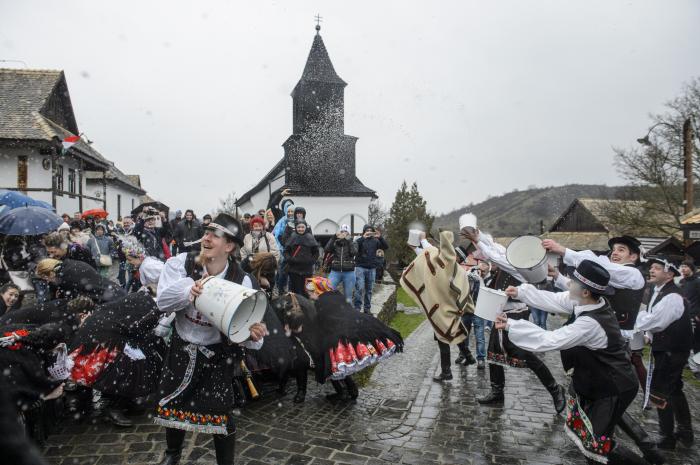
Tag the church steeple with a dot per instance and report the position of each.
(319, 95)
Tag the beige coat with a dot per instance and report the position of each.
(247, 248)
(440, 286)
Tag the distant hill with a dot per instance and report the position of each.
(520, 212)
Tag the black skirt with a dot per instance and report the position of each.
(196, 387)
(131, 378)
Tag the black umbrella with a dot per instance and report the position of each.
(29, 221)
(161, 207)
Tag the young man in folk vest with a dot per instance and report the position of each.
(667, 323)
(603, 383)
(196, 385)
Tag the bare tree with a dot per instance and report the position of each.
(377, 214)
(654, 170)
(228, 204)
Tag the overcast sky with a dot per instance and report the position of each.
(469, 98)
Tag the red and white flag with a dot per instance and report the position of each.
(69, 142)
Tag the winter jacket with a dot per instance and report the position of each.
(188, 231)
(151, 240)
(690, 288)
(80, 253)
(100, 246)
(280, 228)
(367, 251)
(266, 243)
(344, 251)
(300, 253)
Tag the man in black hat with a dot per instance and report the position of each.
(196, 385)
(603, 383)
(621, 263)
(667, 319)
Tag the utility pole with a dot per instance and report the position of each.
(688, 149)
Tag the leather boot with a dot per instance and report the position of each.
(494, 397)
(681, 413)
(300, 396)
(621, 455)
(668, 438)
(353, 392)
(558, 396)
(634, 430)
(224, 447)
(174, 438)
(117, 418)
(339, 393)
(444, 376)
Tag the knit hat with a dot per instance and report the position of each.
(345, 228)
(64, 227)
(689, 263)
(258, 220)
(319, 284)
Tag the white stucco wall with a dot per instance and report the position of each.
(94, 189)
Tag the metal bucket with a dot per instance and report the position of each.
(231, 307)
(526, 254)
(490, 303)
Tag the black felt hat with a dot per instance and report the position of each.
(228, 225)
(593, 277)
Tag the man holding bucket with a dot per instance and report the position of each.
(197, 380)
(501, 352)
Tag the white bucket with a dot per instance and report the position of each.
(468, 220)
(696, 358)
(414, 237)
(526, 254)
(231, 307)
(637, 341)
(490, 303)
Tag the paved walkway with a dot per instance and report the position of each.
(402, 417)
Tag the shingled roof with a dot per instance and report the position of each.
(318, 65)
(35, 105)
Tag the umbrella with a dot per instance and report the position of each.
(29, 221)
(95, 212)
(14, 199)
(161, 207)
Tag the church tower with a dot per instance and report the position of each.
(320, 158)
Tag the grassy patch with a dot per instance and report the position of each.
(403, 298)
(406, 324)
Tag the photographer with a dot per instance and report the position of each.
(366, 266)
(343, 249)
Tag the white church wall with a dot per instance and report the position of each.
(327, 214)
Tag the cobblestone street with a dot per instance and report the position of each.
(402, 417)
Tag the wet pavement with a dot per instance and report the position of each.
(401, 417)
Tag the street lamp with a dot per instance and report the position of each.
(688, 149)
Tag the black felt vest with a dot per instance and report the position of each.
(678, 336)
(625, 303)
(604, 372)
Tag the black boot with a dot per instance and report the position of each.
(444, 376)
(494, 397)
(681, 413)
(300, 396)
(339, 393)
(459, 360)
(353, 392)
(634, 430)
(117, 418)
(174, 438)
(668, 438)
(558, 394)
(621, 455)
(224, 447)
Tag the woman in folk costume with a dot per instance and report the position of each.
(666, 322)
(338, 340)
(196, 386)
(591, 344)
(501, 352)
(116, 352)
(71, 278)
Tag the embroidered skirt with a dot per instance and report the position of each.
(503, 352)
(196, 387)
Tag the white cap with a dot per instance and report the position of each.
(64, 227)
(468, 219)
(345, 228)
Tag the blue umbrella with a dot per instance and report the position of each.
(14, 199)
(29, 221)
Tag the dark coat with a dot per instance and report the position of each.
(188, 231)
(344, 251)
(690, 288)
(76, 278)
(367, 251)
(151, 240)
(80, 253)
(300, 253)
